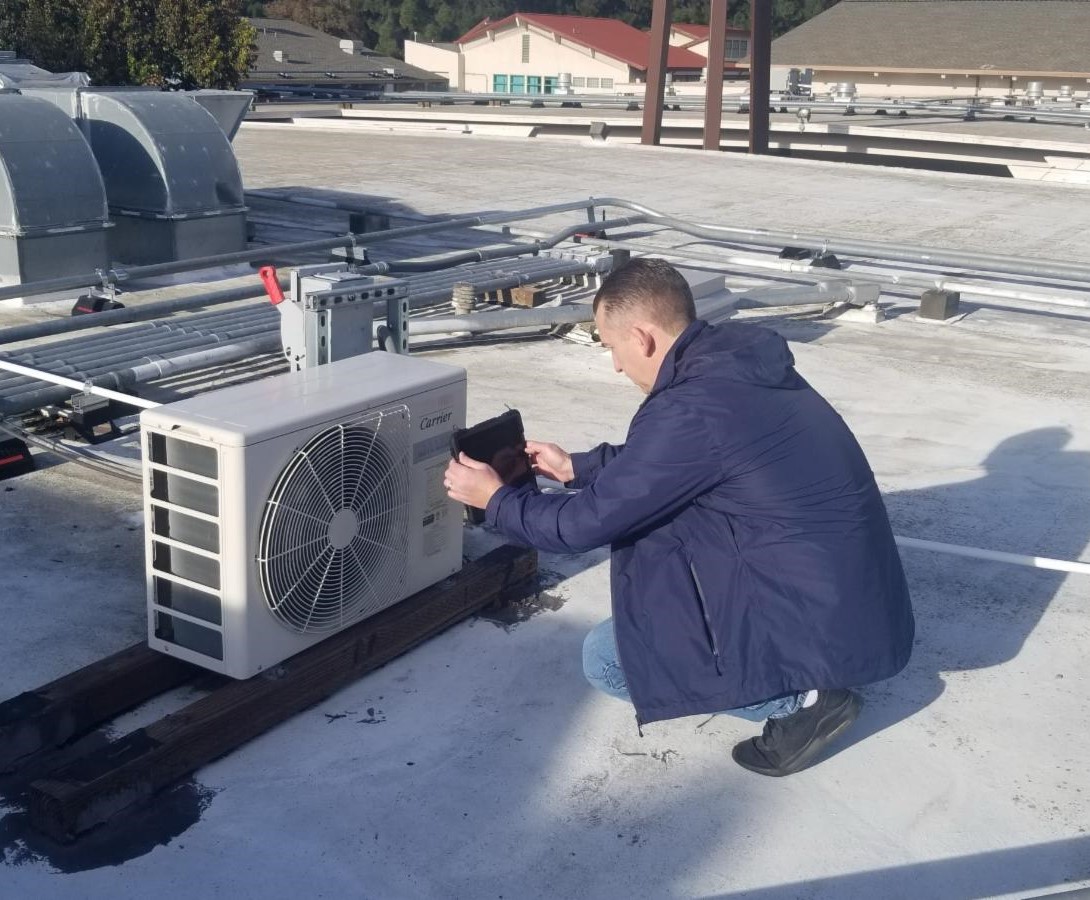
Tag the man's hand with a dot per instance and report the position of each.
(471, 482)
(551, 461)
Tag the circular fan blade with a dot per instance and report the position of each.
(334, 532)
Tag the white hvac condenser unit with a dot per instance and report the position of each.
(281, 511)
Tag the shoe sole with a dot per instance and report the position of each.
(846, 714)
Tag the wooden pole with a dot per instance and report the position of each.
(760, 64)
(661, 16)
(713, 96)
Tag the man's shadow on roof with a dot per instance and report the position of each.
(971, 614)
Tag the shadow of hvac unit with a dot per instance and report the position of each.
(53, 215)
(172, 183)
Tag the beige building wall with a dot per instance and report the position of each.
(939, 86)
(502, 55)
(677, 39)
(440, 60)
(700, 48)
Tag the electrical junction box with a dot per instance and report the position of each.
(329, 314)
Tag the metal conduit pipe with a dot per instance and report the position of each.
(287, 250)
(820, 292)
(235, 324)
(833, 291)
(101, 384)
(439, 288)
(89, 365)
(737, 234)
(442, 291)
(111, 335)
(983, 262)
(944, 106)
(18, 393)
(975, 287)
(483, 254)
(152, 310)
(909, 279)
(538, 268)
(117, 334)
(83, 340)
(102, 361)
(535, 267)
(193, 362)
(45, 359)
(477, 323)
(526, 270)
(73, 351)
(1010, 265)
(209, 319)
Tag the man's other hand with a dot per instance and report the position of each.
(551, 461)
(471, 482)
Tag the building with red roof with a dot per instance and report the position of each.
(694, 38)
(536, 53)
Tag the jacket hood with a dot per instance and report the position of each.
(747, 354)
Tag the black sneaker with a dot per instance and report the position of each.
(793, 742)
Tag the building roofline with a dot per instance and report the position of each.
(542, 21)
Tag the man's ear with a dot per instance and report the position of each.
(645, 339)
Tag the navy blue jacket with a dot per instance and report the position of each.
(752, 553)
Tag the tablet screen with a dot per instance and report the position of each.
(501, 443)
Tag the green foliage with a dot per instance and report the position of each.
(168, 43)
(385, 24)
(45, 31)
(11, 25)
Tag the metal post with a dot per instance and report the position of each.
(661, 16)
(760, 63)
(713, 96)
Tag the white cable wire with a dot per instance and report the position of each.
(40, 375)
(1018, 559)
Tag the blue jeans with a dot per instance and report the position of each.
(602, 669)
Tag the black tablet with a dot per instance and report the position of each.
(500, 442)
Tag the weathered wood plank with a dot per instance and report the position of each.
(90, 790)
(74, 704)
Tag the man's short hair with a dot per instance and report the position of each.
(651, 287)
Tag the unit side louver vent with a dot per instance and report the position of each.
(335, 530)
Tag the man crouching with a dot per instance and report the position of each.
(753, 568)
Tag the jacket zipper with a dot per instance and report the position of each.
(707, 619)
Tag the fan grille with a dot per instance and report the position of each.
(334, 532)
